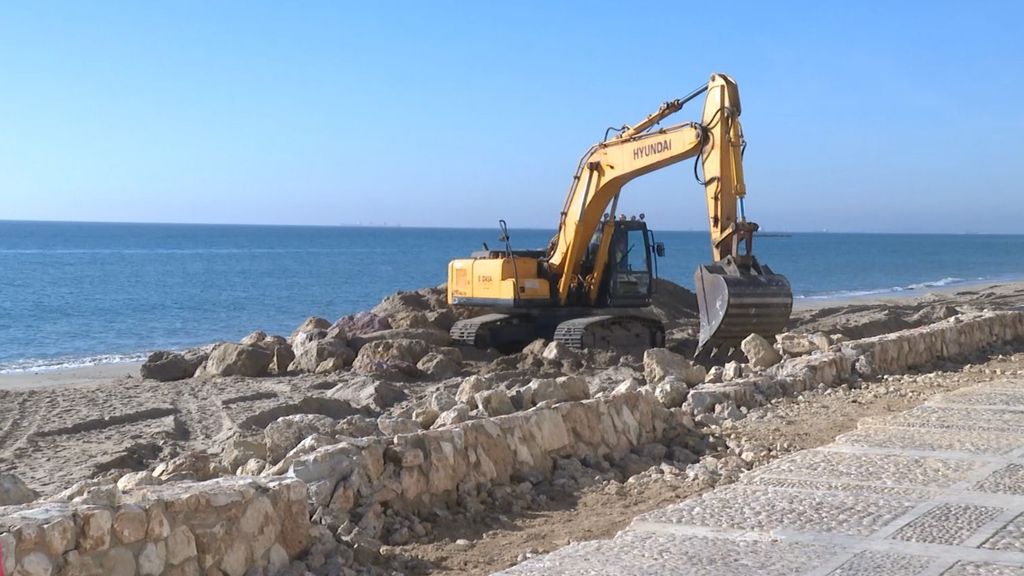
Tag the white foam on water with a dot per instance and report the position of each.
(947, 281)
(51, 364)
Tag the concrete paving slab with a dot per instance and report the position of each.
(936, 490)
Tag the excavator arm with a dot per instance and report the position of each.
(639, 150)
(736, 295)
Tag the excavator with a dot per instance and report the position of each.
(585, 290)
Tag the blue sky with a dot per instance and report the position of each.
(860, 116)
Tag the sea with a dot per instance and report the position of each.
(79, 294)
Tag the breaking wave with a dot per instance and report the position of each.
(66, 363)
(947, 281)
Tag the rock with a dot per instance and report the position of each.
(671, 392)
(254, 338)
(282, 360)
(564, 388)
(390, 357)
(362, 323)
(181, 545)
(702, 401)
(310, 355)
(559, 352)
(192, 465)
(733, 371)
(252, 467)
(152, 559)
(495, 402)
(729, 411)
(391, 426)
(238, 450)
(469, 389)
(443, 400)
(35, 564)
(357, 427)
(167, 366)
(309, 325)
(229, 359)
(94, 533)
(660, 363)
(335, 364)
(759, 353)
(715, 375)
(438, 366)
(431, 336)
(795, 344)
(368, 393)
(535, 348)
(285, 433)
(130, 524)
(457, 415)
(426, 416)
(104, 495)
(822, 341)
(14, 491)
(133, 480)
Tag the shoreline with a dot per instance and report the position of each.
(129, 368)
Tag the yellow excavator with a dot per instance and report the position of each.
(585, 288)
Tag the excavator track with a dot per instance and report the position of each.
(506, 332)
(611, 332)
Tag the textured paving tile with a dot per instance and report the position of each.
(888, 469)
(919, 493)
(636, 553)
(972, 397)
(955, 418)
(754, 508)
(1009, 537)
(983, 569)
(1007, 480)
(870, 563)
(947, 524)
(973, 442)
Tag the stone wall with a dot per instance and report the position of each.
(225, 526)
(354, 480)
(951, 338)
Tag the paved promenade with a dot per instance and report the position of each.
(938, 489)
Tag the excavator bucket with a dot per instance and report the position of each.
(736, 301)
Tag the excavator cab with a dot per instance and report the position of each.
(630, 265)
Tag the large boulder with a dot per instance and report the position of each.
(228, 359)
(167, 366)
(429, 335)
(284, 434)
(368, 393)
(14, 491)
(310, 325)
(438, 365)
(388, 357)
(468, 390)
(282, 352)
(363, 323)
(759, 352)
(495, 402)
(661, 363)
(795, 344)
(671, 391)
(562, 389)
(311, 354)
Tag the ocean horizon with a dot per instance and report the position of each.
(81, 293)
